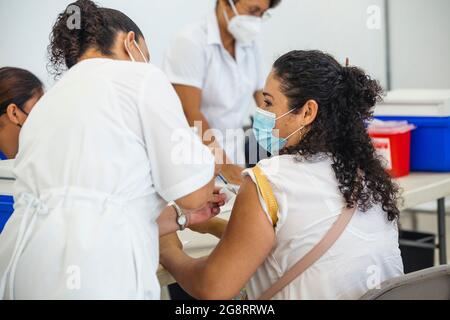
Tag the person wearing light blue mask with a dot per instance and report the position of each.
(263, 126)
(276, 125)
(315, 110)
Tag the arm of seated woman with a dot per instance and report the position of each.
(214, 226)
(246, 243)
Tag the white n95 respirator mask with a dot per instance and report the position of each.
(244, 28)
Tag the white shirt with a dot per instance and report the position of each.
(309, 202)
(99, 159)
(198, 58)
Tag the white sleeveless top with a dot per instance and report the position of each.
(309, 203)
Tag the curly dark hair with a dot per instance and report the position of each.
(97, 29)
(346, 97)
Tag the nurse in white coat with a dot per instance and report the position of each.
(216, 68)
(100, 157)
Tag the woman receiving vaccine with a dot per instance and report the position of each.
(319, 217)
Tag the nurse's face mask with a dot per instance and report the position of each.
(244, 28)
(263, 125)
(139, 49)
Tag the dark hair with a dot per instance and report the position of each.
(98, 28)
(273, 3)
(17, 86)
(346, 97)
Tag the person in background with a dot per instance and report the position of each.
(20, 90)
(315, 111)
(216, 68)
(96, 169)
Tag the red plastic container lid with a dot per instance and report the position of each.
(377, 127)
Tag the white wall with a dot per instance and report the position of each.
(420, 46)
(338, 27)
(25, 26)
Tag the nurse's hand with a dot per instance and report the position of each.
(233, 173)
(210, 210)
(167, 219)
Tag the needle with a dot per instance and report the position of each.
(221, 177)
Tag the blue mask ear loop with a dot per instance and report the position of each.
(299, 129)
(284, 115)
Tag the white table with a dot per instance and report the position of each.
(417, 189)
(420, 188)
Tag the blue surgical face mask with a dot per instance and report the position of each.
(263, 125)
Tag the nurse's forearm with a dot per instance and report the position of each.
(197, 118)
(191, 99)
(167, 221)
(207, 136)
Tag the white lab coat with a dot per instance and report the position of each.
(197, 58)
(100, 156)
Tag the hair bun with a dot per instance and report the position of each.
(360, 88)
(68, 42)
(97, 28)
